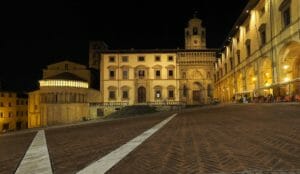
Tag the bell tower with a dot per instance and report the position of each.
(195, 34)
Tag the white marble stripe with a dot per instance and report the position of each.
(36, 159)
(111, 159)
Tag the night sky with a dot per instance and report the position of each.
(35, 34)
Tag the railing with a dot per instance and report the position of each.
(166, 103)
(110, 104)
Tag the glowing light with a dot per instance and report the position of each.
(286, 66)
(286, 79)
(247, 11)
(63, 83)
(267, 74)
(267, 84)
(254, 79)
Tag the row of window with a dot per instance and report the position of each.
(157, 95)
(285, 9)
(22, 102)
(140, 74)
(63, 98)
(10, 114)
(8, 94)
(140, 58)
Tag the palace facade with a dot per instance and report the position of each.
(261, 58)
(159, 77)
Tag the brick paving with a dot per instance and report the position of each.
(73, 148)
(12, 150)
(239, 139)
(234, 138)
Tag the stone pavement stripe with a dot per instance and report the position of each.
(111, 159)
(36, 159)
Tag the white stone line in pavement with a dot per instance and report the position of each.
(36, 159)
(111, 159)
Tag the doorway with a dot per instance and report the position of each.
(141, 94)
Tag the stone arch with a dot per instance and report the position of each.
(289, 69)
(288, 63)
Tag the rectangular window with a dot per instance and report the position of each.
(183, 75)
(124, 58)
(157, 58)
(263, 37)
(9, 104)
(10, 114)
(247, 28)
(141, 74)
(1, 104)
(231, 63)
(112, 95)
(18, 102)
(248, 49)
(170, 58)
(125, 74)
(171, 94)
(238, 54)
(111, 59)
(286, 14)
(141, 58)
(1, 114)
(66, 66)
(157, 74)
(170, 74)
(125, 95)
(112, 74)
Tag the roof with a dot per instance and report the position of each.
(244, 15)
(65, 76)
(157, 51)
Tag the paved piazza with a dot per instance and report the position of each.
(249, 138)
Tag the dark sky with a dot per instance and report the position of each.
(35, 34)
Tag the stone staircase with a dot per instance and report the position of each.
(134, 110)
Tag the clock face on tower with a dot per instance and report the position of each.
(196, 42)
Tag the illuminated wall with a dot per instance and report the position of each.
(13, 111)
(263, 48)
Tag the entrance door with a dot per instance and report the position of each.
(141, 94)
(197, 96)
(18, 125)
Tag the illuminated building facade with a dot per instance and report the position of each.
(64, 96)
(13, 111)
(160, 77)
(261, 56)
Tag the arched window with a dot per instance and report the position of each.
(157, 92)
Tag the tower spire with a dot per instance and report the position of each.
(195, 14)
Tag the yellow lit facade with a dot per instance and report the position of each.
(262, 54)
(13, 111)
(160, 77)
(64, 96)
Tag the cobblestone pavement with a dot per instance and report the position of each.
(234, 138)
(73, 148)
(239, 139)
(12, 150)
